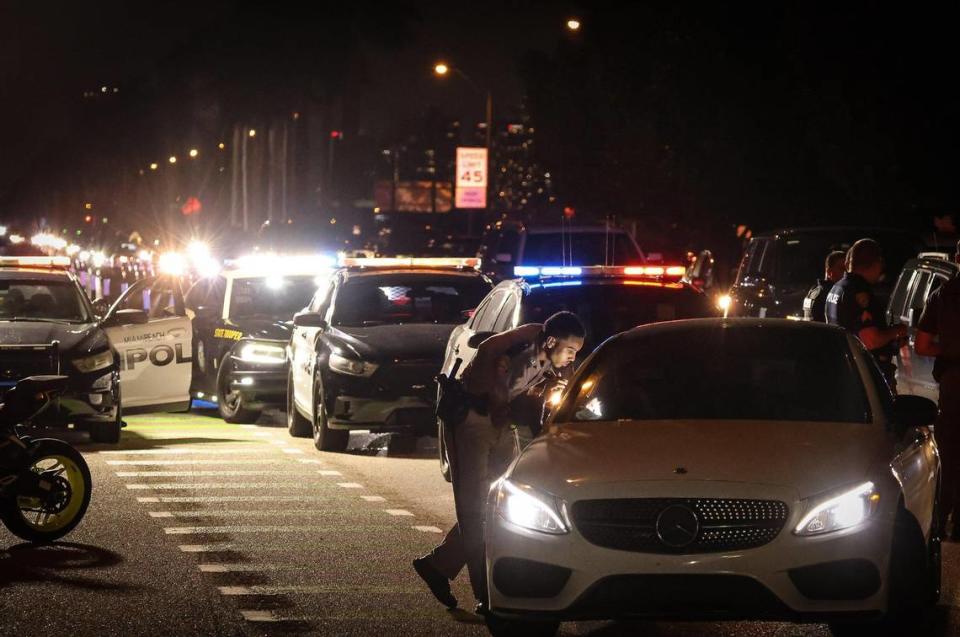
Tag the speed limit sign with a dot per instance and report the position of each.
(471, 177)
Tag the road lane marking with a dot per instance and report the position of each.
(373, 498)
(166, 463)
(236, 498)
(244, 568)
(316, 589)
(206, 513)
(172, 486)
(292, 451)
(203, 474)
(309, 461)
(428, 529)
(329, 473)
(399, 512)
(350, 485)
(241, 528)
(254, 447)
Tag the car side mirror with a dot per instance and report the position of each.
(310, 319)
(126, 317)
(206, 311)
(101, 306)
(913, 411)
(478, 338)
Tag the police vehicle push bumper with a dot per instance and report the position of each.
(256, 372)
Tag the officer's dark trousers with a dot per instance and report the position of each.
(948, 442)
(479, 453)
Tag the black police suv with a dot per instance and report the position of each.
(48, 326)
(242, 321)
(365, 352)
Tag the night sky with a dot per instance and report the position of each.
(773, 114)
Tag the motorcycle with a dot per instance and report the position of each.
(45, 484)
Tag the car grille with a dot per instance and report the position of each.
(724, 524)
(408, 378)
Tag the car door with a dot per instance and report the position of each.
(155, 357)
(482, 321)
(303, 351)
(909, 364)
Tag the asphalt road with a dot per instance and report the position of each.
(198, 527)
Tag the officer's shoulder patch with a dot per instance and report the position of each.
(863, 299)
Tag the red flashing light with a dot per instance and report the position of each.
(569, 212)
(191, 207)
(336, 134)
(88, 219)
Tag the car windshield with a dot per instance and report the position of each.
(407, 298)
(733, 373)
(271, 296)
(23, 299)
(579, 248)
(609, 308)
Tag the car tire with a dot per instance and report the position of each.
(501, 627)
(230, 406)
(297, 425)
(325, 438)
(444, 458)
(109, 432)
(913, 584)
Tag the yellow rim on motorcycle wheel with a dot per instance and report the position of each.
(31, 509)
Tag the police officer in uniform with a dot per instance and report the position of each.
(481, 446)
(938, 334)
(816, 299)
(852, 305)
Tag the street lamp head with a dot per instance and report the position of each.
(173, 159)
(573, 24)
(441, 69)
(252, 132)
(154, 166)
(194, 152)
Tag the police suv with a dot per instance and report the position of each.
(365, 351)
(607, 299)
(50, 327)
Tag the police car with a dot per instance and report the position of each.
(607, 299)
(50, 327)
(241, 326)
(365, 351)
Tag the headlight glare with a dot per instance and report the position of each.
(255, 352)
(844, 511)
(528, 508)
(95, 362)
(351, 366)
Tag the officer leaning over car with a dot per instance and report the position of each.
(852, 305)
(480, 443)
(938, 334)
(816, 299)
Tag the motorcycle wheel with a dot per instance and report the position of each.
(49, 519)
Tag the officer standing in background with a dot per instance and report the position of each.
(482, 446)
(938, 334)
(852, 305)
(816, 299)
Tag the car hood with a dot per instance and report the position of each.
(806, 457)
(390, 342)
(272, 329)
(82, 337)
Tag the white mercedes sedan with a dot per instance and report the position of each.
(721, 469)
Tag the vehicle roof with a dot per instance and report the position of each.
(364, 272)
(51, 274)
(946, 266)
(703, 324)
(866, 230)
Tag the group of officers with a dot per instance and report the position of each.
(845, 297)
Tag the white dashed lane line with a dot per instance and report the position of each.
(256, 447)
(249, 513)
(246, 568)
(309, 461)
(235, 498)
(350, 485)
(329, 473)
(399, 512)
(428, 529)
(373, 498)
(292, 451)
(174, 486)
(204, 474)
(166, 463)
(202, 530)
(317, 590)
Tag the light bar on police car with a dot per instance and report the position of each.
(409, 262)
(643, 271)
(37, 262)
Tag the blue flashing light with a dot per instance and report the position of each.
(562, 284)
(524, 270)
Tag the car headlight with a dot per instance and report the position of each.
(841, 512)
(263, 353)
(95, 362)
(351, 366)
(531, 509)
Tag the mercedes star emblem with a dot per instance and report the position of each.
(677, 526)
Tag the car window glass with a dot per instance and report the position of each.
(505, 318)
(39, 299)
(408, 298)
(723, 374)
(484, 323)
(165, 299)
(195, 297)
(271, 296)
(918, 293)
(935, 283)
(137, 297)
(484, 309)
(754, 264)
(899, 296)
